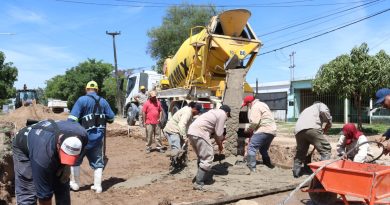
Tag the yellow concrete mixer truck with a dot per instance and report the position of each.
(210, 68)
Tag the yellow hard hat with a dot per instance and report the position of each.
(142, 87)
(92, 85)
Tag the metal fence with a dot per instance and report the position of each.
(335, 104)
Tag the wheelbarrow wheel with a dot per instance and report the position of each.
(321, 198)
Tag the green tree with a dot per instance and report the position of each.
(165, 40)
(72, 85)
(354, 75)
(8, 76)
(109, 88)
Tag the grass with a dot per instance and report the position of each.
(368, 129)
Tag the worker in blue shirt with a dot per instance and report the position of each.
(42, 155)
(92, 112)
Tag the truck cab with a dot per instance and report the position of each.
(149, 79)
(25, 97)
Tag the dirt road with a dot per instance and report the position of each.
(134, 177)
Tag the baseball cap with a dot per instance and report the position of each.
(70, 150)
(248, 99)
(92, 84)
(226, 109)
(381, 94)
(152, 93)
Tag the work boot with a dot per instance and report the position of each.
(74, 182)
(199, 180)
(251, 163)
(97, 180)
(267, 162)
(148, 150)
(297, 168)
(306, 170)
(160, 149)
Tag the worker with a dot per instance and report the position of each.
(308, 130)
(42, 154)
(176, 133)
(92, 112)
(349, 140)
(209, 124)
(383, 98)
(141, 98)
(262, 124)
(152, 113)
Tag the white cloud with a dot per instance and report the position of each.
(24, 15)
(133, 10)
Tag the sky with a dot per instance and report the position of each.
(51, 36)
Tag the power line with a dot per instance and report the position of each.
(327, 32)
(319, 31)
(315, 19)
(203, 5)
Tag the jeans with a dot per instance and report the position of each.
(94, 156)
(25, 190)
(174, 141)
(262, 142)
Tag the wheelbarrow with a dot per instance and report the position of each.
(371, 182)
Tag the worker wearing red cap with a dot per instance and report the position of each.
(262, 124)
(42, 155)
(350, 139)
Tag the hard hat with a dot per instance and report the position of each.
(142, 87)
(92, 85)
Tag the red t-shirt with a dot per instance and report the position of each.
(152, 112)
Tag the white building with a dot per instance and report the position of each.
(275, 95)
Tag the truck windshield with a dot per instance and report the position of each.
(130, 85)
(27, 95)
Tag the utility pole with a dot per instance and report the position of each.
(257, 88)
(118, 99)
(292, 65)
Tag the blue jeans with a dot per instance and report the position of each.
(24, 182)
(94, 156)
(174, 141)
(262, 142)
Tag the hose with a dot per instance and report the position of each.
(310, 177)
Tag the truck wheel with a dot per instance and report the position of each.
(132, 114)
(321, 198)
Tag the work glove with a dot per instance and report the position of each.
(63, 173)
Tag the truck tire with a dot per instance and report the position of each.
(132, 114)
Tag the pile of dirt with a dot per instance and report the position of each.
(35, 112)
(7, 131)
